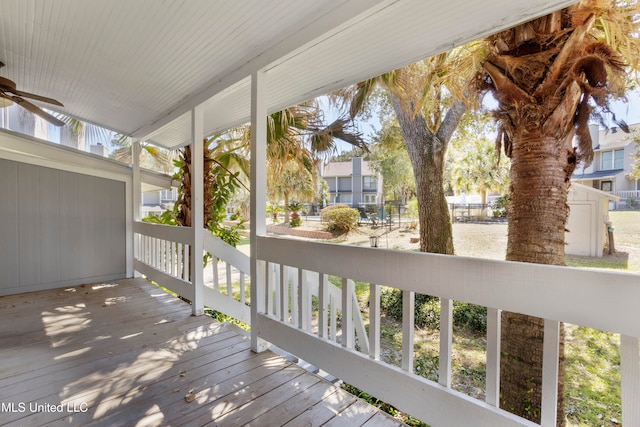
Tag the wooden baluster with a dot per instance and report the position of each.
(323, 305)
(185, 262)
(293, 289)
(229, 282)
(282, 294)
(333, 318)
(446, 336)
(492, 394)
(347, 313)
(268, 285)
(304, 301)
(214, 270)
(550, 355)
(243, 298)
(408, 315)
(374, 321)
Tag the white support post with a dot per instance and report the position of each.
(446, 337)
(374, 321)
(550, 370)
(492, 395)
(630, 376)
(136, 201)
(197, 209)
(408, 329)
(258, 198)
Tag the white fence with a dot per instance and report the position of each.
(300, 311)
(626, 194)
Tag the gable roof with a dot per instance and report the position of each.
(613, 138)
(139, 66)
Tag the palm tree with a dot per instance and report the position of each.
(545, 75)
(476, 169)
(288, 181)
(428, 115)
(151, 157)
(293, 135)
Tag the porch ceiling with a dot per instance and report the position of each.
(139, 66)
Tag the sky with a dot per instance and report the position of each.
(627, 111)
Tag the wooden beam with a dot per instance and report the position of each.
(258, 197)
(197, 209)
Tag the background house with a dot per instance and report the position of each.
(353, 183)
(612, 163)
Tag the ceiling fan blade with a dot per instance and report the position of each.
(38, 97)
(36, 110)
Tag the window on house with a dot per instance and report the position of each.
(369, 183)
(169, 195)
(344, 184)
(344, 199)
(606, 186)
(370, 199)
(613, 159)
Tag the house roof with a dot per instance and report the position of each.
(334, 169)
(611, 173)
(614, 138)
(139, 66)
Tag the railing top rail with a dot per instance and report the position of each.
(165, 232)
(606, 301)
(222, 250)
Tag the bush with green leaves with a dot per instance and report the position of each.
(340, 218)
(332, 207)
(499, 207)
(427, 311)
(633, 202)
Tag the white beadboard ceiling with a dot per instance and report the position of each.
(139, 66)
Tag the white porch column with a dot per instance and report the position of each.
(197, 209)
(258, 199)
(136, 201)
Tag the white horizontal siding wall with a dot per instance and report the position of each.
(59, 228)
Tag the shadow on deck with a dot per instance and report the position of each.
(126, 353)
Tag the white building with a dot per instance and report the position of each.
(612, 163)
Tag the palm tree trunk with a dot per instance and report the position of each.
(537, 216)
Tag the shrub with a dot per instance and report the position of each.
(499, 208)
(427, 311)
(340, 219)
(332, 207)
(633, 202)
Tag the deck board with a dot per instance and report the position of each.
(126, 353)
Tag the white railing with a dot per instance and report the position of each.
(626, 194)
(163, 256)
(605, 301)
(301, 311)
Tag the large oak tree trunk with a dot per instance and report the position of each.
(426, 152)
(537, 213)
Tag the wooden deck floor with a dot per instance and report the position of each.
(126, 353)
